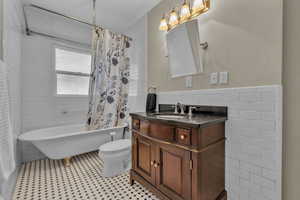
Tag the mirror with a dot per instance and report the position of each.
(184, 50)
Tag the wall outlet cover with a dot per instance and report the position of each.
(213, 78)
(188, 81)
(223, 78)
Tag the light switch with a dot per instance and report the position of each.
(223, 78)
(213, 78)
(189, 81)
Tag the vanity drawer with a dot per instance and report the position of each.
(183, 136)
(136, 124)
(162, 131)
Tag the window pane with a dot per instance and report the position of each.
(72, 61)
(72, 85)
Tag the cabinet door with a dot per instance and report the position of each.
(173, 172)
(144, 157)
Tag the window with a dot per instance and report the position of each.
(73, 68)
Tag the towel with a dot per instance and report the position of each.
(151, 102)
(7, 158)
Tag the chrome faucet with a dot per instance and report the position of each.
(191, 108)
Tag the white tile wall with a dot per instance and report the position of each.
(254, 137)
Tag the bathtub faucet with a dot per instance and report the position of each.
(112, 136)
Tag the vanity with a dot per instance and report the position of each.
(180, 156)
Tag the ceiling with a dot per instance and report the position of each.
(117, 15)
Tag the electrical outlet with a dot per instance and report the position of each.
(188, 81)
(213, 78)
(223, 78)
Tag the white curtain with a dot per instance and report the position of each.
(7, 155)
(109, 82)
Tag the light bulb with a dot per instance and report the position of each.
(173, 21)
(185, 12)
(163, 26)
(198, 7)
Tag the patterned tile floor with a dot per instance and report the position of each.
(51, 180)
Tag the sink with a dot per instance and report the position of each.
(170, 116)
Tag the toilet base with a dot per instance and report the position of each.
(115, 164)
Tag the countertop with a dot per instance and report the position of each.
(196, 120)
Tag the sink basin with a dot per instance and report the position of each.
(170, 116)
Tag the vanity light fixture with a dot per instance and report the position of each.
(163, 26)
(187, 13)
(199, 7)
(173, 20)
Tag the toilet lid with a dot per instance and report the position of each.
(114, 146)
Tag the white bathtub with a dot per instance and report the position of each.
(67, 141)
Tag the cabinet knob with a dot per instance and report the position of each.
(182, 137)
(156, 165)
(152, 163)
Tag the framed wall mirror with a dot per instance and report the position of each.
(184, 50)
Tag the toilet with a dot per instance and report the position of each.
(116, 156)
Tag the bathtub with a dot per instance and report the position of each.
(67, 141)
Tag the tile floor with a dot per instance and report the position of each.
(51, 180)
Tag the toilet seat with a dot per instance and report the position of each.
(115, 146)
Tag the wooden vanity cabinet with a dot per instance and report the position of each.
(179, 163)
(173, 175)
(144, 155)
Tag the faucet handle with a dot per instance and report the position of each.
(176, 109)
(112, 135)
(182, 109)
(191, 108)
(181, 106)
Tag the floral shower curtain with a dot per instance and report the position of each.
(109, 82)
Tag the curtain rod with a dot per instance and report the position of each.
(31, 32)
(59, 14)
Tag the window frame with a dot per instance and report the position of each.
(73, 48)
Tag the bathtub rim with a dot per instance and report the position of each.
(22, 137)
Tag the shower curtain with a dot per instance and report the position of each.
(7, 153)
(109, 81)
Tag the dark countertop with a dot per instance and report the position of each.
(196, 120)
